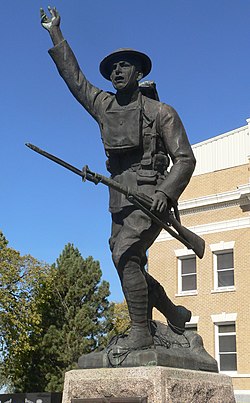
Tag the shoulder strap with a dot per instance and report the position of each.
(158, 122)
(149, 144)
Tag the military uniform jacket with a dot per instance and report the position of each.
(135, 162)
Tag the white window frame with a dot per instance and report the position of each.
(181, 255)
(217, 249)
(218, 320)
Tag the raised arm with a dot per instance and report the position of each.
(86, 94)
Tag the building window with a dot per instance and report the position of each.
(226, 347)
(223, 269)
(187, 274)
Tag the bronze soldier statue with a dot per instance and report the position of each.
(140, 136)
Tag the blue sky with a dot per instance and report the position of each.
(200, 53)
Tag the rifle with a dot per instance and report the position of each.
(140, 200)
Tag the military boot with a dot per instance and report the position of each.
(176, 315)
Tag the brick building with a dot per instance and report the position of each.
(216, 206)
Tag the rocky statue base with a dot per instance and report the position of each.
(146, 385)
(170, 350)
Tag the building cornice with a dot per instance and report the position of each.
(223, 135)
(221, 226)
(239, 196)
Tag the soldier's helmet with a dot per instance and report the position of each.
(125, 53)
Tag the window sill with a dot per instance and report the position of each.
(238, 375)
(229, 373)
(223, 289)
(186, 293)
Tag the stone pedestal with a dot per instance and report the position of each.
(154, 384)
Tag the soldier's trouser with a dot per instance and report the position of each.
(132, 234)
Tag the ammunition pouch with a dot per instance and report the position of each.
(146, 177)
(160, 163)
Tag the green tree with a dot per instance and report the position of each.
(77, 318)
(21, 278)
(49, 316)
(120, 319)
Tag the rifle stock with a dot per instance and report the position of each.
(140, 200)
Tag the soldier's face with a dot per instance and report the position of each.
(124, 75)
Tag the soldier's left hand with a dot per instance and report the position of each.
(160, 202)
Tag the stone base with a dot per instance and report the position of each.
(154, 384)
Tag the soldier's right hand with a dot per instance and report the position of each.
(50, 23)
